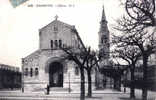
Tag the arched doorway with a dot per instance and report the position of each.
(56, 74)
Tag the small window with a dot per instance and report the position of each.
(51, 44)
(101, 39)
(55, 29)
(76, 70)
(56, 45)
(31, 72)
(60, 43)
(36, 71)
(26, 72)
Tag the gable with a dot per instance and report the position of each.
(58, 31)
(56, 23)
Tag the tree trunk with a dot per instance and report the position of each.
(115, 82)
(82, 95)
(119, 84)
(89, 83)
(144, 88)
(132, 88)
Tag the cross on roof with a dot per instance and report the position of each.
(56, 17)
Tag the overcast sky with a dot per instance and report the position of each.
(19, 26)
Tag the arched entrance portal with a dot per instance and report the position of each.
(56, 74)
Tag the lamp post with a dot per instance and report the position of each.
(22, 75)
(69, 90)
(125, 80)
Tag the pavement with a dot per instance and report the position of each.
(106, 94)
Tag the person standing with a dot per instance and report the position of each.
(48, 89)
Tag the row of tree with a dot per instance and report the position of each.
(137, 38)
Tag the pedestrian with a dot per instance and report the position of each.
(48, 89)
(124, 89)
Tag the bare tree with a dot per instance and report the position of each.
(79, 58)
(131, 55)
(85, 59)
(141, 11)
(143, 38)
(92, 61)
(141, 16)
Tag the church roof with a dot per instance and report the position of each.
(57, 21)
(34, 54)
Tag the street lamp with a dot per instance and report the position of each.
(22, 75)
(69, 90)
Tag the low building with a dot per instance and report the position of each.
(151, 77)
(10, 77)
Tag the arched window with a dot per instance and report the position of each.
(60, 43)
(51, 44)
(26, 72)
(56, 45)
(36, 71)
(31, 72)
(76, 70)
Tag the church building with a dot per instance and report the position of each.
(104, 51)
(48, 66)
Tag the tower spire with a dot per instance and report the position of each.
(103, 14)
(104, 38)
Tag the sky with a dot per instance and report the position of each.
(19, 26)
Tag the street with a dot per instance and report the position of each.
(107, 94)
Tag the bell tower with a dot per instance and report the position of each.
(104, 52)
(104, 46)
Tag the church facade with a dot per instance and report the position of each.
(48, 66)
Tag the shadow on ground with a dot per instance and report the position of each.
(126, 98)
(94, 98)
